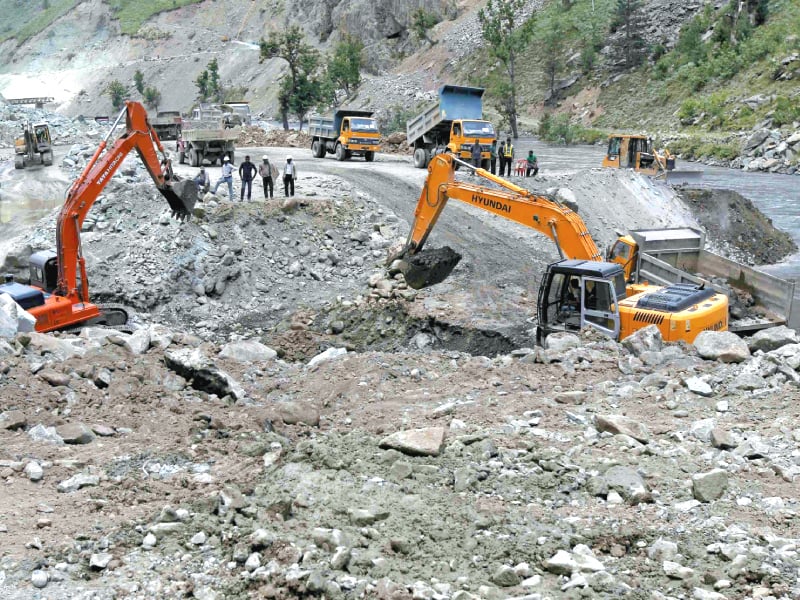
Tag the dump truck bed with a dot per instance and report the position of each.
(678, 256)
(201, 134)
(455, 102)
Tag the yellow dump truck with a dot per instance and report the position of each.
(451, 125)
(346, 133)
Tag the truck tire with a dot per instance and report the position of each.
(341, 153)
(369, 155)
(193, 158)
(231, 156)
(182, 157)
(47, 158)
(19, 162)
(317, 149)
(200, 159)
(421, 158)
(485, 164)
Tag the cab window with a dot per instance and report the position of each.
(620, 250)
(613, 147)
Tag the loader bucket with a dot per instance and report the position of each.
(429, 267)
(182, 196)
(684, 176)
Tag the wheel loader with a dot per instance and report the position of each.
(58, 294)
(34, 147)
(582, 290)
(636, 152)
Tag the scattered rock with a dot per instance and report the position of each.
(707, 487)
(772, 338)
(248, 351)
(75, 433)
(618, 424)
(416, 442)
(724, 346)
(294, 413)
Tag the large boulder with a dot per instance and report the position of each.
(14, 318)
(416, 442)
(247, 351)
(204, 375)
(724, 346)
(644, 340)
(772, 339)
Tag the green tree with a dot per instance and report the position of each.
(214, 85)
(202, 85)
(551, 50)
(344, 66)
(117, 92)
(506, 38)
(138, 81)
(300, 89)
(421, 22)
(629, 20)
(152, 97)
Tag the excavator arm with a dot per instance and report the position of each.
(547, 216)
(138, 135)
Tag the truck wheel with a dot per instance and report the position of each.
(315, 149)
(231, 156)
(485, 164)
(193, 158)
(369, 155)
(182, 158)
(341, 153)
(47, 158)
(421, 158)
(200, 159)
(19, 162)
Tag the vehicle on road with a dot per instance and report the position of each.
(346, 133)
(167, 124)
(451, 125)
(630, 151)
(34, 147)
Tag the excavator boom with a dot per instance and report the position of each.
(581, 290)
(63, 299)
(555, 220)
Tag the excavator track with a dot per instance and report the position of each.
(111, 317)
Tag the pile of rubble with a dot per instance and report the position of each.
(587, 468)
(395, 143)
(63, 130)
(256, 136)
(771, 150)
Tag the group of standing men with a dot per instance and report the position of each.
(506, 155)
(247, 173)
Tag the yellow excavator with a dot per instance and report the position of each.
(637, 152)
(582, 289)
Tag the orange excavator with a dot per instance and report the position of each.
(581, 290)
(58, 294)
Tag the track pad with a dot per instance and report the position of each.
(429, 266)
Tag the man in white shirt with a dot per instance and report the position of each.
(227, 177)
(289, 175)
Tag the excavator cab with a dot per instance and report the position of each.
(576, 294)
(624, 252)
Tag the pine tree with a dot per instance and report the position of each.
(629, 20)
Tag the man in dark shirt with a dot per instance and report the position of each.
(247, 171)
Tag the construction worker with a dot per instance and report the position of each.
(265, 169)
(203, 181)
(509, 156)
(227, 177)
(289, 175)
(501, 152)
(493, 157)
(247, 171)
(475, 152)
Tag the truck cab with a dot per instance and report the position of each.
(463, 134)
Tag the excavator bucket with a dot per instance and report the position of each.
(429, 266)
(182, 196)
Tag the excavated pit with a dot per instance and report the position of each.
(390, 328)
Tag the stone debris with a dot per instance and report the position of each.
(724, 346)
(416, 442)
